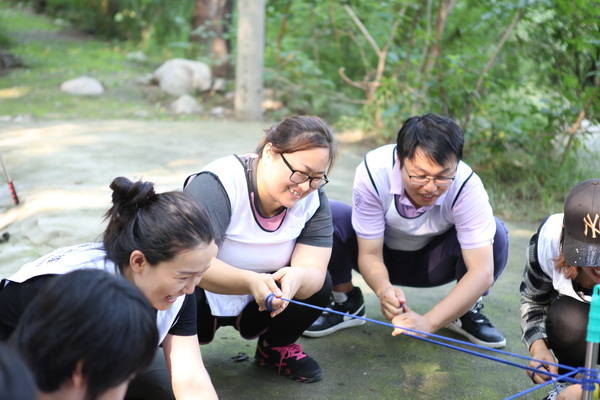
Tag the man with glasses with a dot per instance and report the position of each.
(420, 217)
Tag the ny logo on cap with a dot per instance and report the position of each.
(591, 224)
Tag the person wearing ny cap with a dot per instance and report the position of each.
(562, 266)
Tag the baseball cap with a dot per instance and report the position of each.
(581, 245)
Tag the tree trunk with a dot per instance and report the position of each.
(215, 17)
(249, 65)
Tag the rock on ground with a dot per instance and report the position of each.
(180, 76)
(83, 86)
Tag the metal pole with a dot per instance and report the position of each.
(591, 357)
(11, 186)
(591, 351)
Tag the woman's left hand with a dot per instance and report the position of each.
(290, 280)
(412, 320)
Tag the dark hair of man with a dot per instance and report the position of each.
(159, 225)
(16, 381)
(90, 318)
(298, 133)
(440, 138)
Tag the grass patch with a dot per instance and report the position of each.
(539, 194)
(55, 53)
(19, 19)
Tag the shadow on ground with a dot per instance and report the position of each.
(62, 171)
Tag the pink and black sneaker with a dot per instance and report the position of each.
(289, 361)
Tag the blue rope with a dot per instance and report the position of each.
(556, 377)
(541, 385)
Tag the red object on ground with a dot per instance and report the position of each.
(11, 186)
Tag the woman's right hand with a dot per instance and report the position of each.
(262, 286)
(540, 351)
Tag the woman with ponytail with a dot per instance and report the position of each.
(163, 244)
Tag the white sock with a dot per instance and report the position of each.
(339, 297)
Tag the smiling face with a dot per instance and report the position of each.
(422, 165)
(164, 282)
(275, 189)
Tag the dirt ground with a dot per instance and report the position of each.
(62, 171)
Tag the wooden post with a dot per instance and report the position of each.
(249, 64)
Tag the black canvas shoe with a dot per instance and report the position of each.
(289, 361)
(478, 329)
(328, 323)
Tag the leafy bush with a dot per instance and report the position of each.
(141, 21)
(5, 41)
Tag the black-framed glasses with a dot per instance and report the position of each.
(422, 180)
(299, 177)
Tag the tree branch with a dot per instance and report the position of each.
(571, 133)
(394, 29)
(359, 85)
(503, 39)
(489, 65)
(433, 52)
(362, 28)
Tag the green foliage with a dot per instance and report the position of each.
(518, 75)
(5, 41)
(517, 102)
(145, 22)
(53, 56)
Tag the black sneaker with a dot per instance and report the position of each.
(327, 323)
(289, 361)
(478, 328)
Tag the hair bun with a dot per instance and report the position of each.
(128, 195)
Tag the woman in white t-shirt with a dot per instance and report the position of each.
(273, 225)
(162, 243)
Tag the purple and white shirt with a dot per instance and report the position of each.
(381, 208)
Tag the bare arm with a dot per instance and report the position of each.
(189, 377)
(305, 275)
(226, 279)
(370, 263)
(479, 278)
(374, 271)
(312, 261)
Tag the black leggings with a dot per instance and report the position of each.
(282, 330)
(152, 383)
(566, 328)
